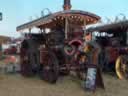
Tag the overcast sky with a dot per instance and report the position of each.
(17, 12)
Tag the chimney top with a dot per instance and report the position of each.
(67, 5)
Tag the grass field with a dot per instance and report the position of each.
(16, 85)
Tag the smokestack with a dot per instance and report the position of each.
(67, 5)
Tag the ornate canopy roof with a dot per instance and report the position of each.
(74, 16)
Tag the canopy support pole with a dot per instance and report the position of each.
(66, 28)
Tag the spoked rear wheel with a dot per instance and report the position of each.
(122, 67)
(50, 68)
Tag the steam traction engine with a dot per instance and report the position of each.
(113, 40)
(51, 51)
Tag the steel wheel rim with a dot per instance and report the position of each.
(122, 67)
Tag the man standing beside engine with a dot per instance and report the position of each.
(92, 50)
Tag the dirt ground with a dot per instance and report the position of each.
(16, 85)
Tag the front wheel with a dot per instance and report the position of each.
(49, 70)
(121, 67)
(82, 60)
